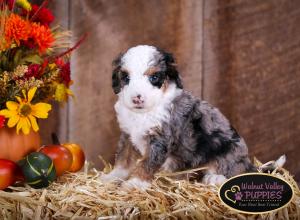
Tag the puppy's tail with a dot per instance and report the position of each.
(272, 165)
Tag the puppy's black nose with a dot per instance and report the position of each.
(137, 100)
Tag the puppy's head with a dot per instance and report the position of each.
(142, 75)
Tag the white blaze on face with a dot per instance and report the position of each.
(136, 62)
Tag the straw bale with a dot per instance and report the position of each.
(82, 196)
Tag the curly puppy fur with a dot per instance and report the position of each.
(165, 128)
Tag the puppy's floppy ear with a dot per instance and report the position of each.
(116, 80)
(171, 70)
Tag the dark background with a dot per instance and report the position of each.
(241, 55)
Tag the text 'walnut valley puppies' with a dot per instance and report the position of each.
(165, 128)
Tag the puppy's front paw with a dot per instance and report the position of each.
(214, 179)
(136, 182)
(105, 178)
(117, 174)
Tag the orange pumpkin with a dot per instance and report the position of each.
(15, 146)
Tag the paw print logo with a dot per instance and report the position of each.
(238, 196)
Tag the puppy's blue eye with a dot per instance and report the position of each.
(157, 79)
(153, 78)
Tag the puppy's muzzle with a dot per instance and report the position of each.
(137, 100)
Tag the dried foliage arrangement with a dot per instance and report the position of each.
(83, 196)
(34, 64)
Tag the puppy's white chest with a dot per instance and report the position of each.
(139, 142)
(138, 125)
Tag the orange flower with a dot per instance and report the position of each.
(42, 36)
(16, 29)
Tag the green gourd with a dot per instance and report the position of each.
(38, 170)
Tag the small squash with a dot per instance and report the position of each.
(38, 170)
(15, 146)
(8, 171)
(78, 156)
(61, 157)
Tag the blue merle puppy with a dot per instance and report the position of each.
(165, 128)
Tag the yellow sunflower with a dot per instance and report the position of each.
(24, 114)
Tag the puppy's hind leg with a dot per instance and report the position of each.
(214, 179)
(211, 176)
